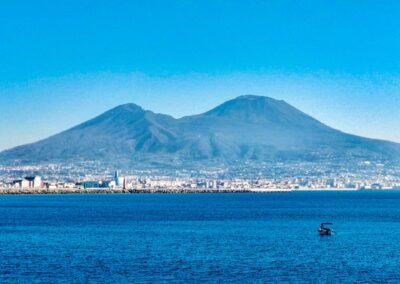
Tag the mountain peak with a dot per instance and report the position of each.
(252, 107)
(250, 97)
(120, 114)
(129, 107)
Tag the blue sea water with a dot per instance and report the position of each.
(184, 238)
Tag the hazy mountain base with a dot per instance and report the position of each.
(289, 170)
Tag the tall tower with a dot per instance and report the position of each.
(124, 187)
(116, 177)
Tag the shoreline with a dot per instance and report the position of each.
(44, 191)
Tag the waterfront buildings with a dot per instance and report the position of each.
(28, 182)
(279, 176)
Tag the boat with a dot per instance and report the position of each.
(325, 229)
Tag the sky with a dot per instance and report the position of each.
(63, 62)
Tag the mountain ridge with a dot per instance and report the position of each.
(245, 128)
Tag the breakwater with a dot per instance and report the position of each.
(11, 191)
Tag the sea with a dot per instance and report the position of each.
(200, 238)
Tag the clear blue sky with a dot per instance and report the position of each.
(62, 62)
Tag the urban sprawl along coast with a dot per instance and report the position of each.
(56, 178)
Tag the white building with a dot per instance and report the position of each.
(28, 182)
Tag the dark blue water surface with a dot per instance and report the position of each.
(200, 237)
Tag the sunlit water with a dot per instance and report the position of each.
(200, 237)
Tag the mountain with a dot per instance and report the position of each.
(246, 128)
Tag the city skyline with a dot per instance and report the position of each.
(63, 64)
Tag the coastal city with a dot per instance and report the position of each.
(55, 178)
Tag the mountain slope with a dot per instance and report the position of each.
(112, 135)
(262, 128)
(248, 127)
